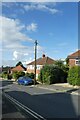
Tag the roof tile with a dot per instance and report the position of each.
(75, 55)
(43, 61)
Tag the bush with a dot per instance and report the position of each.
(4, 75)
(74, 76)
(9, 76)
(18, 74)
(31, 75)
(51, 74)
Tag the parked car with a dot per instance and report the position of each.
(25, 80)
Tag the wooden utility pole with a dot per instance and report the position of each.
(35, 61)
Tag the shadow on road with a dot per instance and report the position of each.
(53, 105)
(72, 90)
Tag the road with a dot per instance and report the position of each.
(41, 103)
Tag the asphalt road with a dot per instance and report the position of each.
(41, 102)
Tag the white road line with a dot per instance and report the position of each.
(25, 108)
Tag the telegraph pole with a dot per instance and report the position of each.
(35, 61)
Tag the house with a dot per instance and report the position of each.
(39, 64)
(74, 59)
(0, 69)
(18, 68)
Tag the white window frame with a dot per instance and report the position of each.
(77, 62)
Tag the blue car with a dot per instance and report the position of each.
(24, 80)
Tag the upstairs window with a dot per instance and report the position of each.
(78, 62)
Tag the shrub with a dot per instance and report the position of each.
(31, 75)
(9, 76)
(51, 74)
(4, 75)
(74, 76)
(18, 74)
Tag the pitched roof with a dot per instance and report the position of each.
(75, 55)
(19, 68)
(43, 61)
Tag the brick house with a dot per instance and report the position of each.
(39, 63)
(18, 68)
(0, 69)
(74, 59)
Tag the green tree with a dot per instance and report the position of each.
(19, 63)
(59, 63)
(64, 67)
(67, 61)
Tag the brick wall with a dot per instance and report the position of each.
(71, 62)
(32, 71)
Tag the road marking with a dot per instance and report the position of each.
(25, 108)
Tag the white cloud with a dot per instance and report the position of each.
(12, 40)
(42, 7)
(11, 33)
(32, 27)
(19, 55)
(15, 54)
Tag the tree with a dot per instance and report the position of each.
(67, 61)
(59, 63)
(19, 63)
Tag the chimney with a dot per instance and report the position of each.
(43, 55)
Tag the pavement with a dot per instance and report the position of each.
(64, 87)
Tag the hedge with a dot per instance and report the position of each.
(52, 74)
(74, 75)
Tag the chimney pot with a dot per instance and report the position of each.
(43, 55)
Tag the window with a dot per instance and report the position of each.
(38, 67)
(78, 62)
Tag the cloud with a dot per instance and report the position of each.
(12, 40)
(41, 7)
(15, 54)
(32, 27)
(19, 55)
(11, 33)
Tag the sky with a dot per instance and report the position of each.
(53, 24)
